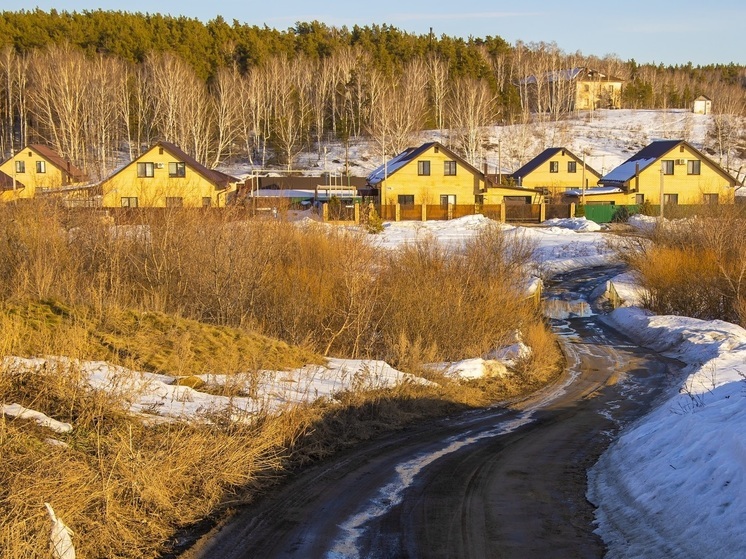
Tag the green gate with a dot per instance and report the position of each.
(604, 213)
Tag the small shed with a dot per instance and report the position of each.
(702, 105)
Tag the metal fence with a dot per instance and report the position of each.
(436, 212)
(527, 213)
(557, 211)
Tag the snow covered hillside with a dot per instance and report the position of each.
(607, 137)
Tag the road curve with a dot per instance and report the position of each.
(498, 482)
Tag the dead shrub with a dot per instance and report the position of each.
(696, 267)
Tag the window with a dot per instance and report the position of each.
(693, 167)
(145, 170)
(174, 201)
(667, 166)
(572, 167)
(710, 199)
(129, 202)
(554, 166)
(639, 199)
(449, 168)
(423, 168)
(446, 199)
(406, 199)
(20, 166)
(671, 199)
(177, 169)
(206, 201)
(41, 166)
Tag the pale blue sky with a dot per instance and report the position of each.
(696, 31)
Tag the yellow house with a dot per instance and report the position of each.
(165, 176)
(555, 170)
(683, 173)
(580, 88)
(432, 174)
(36, 166)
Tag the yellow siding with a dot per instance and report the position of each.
(51, 176)
(690, 188)
(428, 189)
(543, 177)
(152, 192)
(598, 94)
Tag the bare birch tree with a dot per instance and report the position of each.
(13, 81)
(103, 124)
(226, 93)
(472, 106)
(290, 105)
(438, 88)
(57, 98)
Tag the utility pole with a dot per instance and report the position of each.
(662, 198)
(499, 163)
(582, 182)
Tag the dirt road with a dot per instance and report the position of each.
(501, 482)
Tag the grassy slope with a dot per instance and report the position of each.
(126, 488)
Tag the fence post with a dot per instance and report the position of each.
(325, 212)
(424, 212)
(542, 213)
(397, 212)
(450, 211)
(503, 212)
(357, 214)
(572, 210)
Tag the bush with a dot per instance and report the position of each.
(373, 222)
(646, 208)
(621, 215)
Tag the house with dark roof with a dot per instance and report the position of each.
(166, 176)
(580, 88)
(553, 171)
(674, 167)
(33, 167)
(432, 174)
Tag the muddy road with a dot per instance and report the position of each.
(500, 482)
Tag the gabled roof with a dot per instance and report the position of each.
(6, 182)
(217, 178)
(211, 175)
(542, 158)
(649, 155)
(579, 72)
(75, 174)
(407, 156)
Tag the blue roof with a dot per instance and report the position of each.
(593, 191)
(392, 165)
(639, 161)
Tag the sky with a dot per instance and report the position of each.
(650, 32)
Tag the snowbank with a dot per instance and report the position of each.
(672, 484)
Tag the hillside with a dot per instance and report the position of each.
(608, 137)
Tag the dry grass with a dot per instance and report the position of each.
(185, 293)
(696, 267)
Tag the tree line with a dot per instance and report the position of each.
(93, 82)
